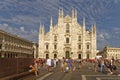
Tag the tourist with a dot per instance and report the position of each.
(80, 64)
(107, 64)
(111, 64)
(95, 64)
(33, 69)
(54, 60)
(48, 64)
(70, 64)
(62, 61)
(102, 65)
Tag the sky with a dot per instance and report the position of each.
(23, 17)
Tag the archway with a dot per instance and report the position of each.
(88, 56)
(79, 56)
(55, 55)
(47, 55)
(67, 54)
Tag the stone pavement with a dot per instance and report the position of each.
(87, 73)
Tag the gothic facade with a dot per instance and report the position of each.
(67, 38)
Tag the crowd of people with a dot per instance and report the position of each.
(105, 65)
(69, 65)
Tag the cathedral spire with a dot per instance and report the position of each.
(40, 28)
(73, 13)
(43, 28)
(61, 14)
(51, 26)
(84, 24)
(94, 28)
(51, 21)
(60, 18)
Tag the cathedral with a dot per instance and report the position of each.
(67, 39)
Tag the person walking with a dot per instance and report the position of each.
(54, 61)
(102, 65)
(62, 61)
(95, 64)
(80, 64)
(48, 63)
(111, 64)
(70, 64)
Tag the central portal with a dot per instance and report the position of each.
(67, 54)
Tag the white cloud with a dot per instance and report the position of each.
(103, 35)
(22, 29)
(5, 25)
(31, 35)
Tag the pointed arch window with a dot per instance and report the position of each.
(47, 46)
(67, 28)
(79, 38)
(79, 46)
(55, 46)
(67, 40)
(55, 38)
(88, 46)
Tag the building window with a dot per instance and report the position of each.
(67, 28)
(47, 46)
(79, 38)
(55, 46)
(55, 38)
(79, 46)
(88, 46)
(67, 40)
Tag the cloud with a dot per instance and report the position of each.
(103, 35)
(22, 17)
(4, 26)
(22, 29)
(21, 32)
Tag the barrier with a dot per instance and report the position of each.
(12, 66)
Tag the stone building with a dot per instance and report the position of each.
(67, 38)
(112, 52)
(12, 46)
